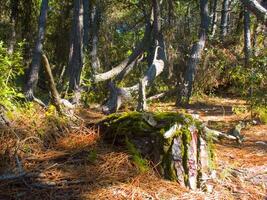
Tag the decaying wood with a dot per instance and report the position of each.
(218, 134)
(51, 83)
(182, 151)
(142, 105)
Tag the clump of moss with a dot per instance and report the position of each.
(135, 126)
(140, 162)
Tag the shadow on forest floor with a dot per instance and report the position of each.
(78, 165)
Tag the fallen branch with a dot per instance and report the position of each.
(217, 134)
(51, 83)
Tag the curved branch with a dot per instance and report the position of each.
(140, 48)
(257, 9)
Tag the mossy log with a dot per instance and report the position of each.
(175, 143)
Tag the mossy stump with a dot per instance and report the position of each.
(175, 142)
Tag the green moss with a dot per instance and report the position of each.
(140, 162)
(92, 156)
(210, 150)
(168, 166)
(133, 125)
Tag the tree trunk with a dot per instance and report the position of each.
(247, 37)
(95, 23)
(155, 69)
(13, 21)
(195, 56)
(257, 9)
(86, 24)
(224, 18)
(36, 58)
(76, 51)
(214, 18)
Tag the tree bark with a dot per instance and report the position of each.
(86, 24)
(36, 58)
(95, 23)
(224, 18)
(257, 9)
(172, 141)
(247, 37)
(13, 20)
(214, 18)
(142, 105)
(76, 50)
(195, 56)
(156, 67)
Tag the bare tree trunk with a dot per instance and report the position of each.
(76, 51)
(214, 18)
(224, 18)
(117, 95)
(36, 58)
(195, 56)
(247, 37)
(95, 23)
(86, 24)
(13, 20)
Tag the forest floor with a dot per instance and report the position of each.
(74, 163)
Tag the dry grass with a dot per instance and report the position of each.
(71, 161)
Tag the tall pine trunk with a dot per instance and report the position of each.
(195, 55)
(86, 24)
(76, 50)
(36, 58)
(13, 20)
(224, 18)
(95, 23)
(214, 18)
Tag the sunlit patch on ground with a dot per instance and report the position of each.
(74, 163)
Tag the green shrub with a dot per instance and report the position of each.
(11, 67)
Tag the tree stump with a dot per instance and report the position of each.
(175, 142)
